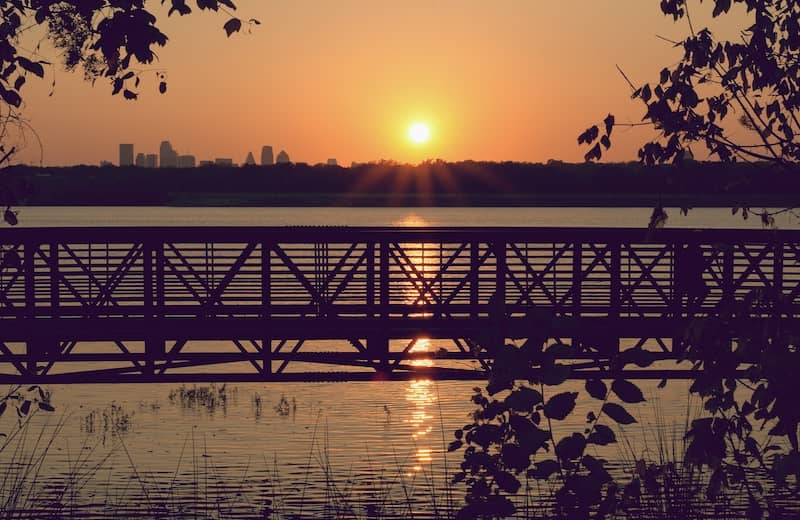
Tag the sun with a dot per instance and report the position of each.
(419, 133)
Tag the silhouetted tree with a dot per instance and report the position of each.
(751, 432)
(753, 78)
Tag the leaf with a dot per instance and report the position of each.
(19, 82)
(561, 405)
(589, 135)
(544, 469)
(11, 259)
(606, 142)
(602, 435)
(47, 407)
(571, 448)
(608, 122)
(10, 217)
(646, 94)
(162, 87)
(523, 399)
(507, 482)
(33, 67)
(3, 407)
(254, 21)
(720, 7)
(595, 154)
(455, 445)
(25, 408)
(618, 413)
(627, 391)
(129, 94)
(10, 97)
(231, 26)
(596, 389)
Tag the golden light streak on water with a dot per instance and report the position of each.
(421, 397)
(421, 345)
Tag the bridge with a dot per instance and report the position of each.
(192, 304)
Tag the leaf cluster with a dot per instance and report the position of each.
(105, 38)
(754, 77)
(513, 437)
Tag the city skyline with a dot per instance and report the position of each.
(168, 157)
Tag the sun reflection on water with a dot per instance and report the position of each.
(420, 393)
(421, 397)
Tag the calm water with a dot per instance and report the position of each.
(305, 447)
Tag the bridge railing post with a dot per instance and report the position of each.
(378, 342)
(615, 310)
(266, 307)
(474, 279)
(577, 279)
(369, 297)
(497, 308)
(32, 345)
(153, 271)
(777, 278)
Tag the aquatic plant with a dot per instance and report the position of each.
(210, 397)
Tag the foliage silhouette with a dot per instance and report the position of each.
(756, 78)
(753, 78)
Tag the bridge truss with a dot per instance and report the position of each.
(304, 304)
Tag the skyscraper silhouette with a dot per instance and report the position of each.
(141, 160)
(187, 161)
(169, 156)
(250, 160)
(283, 158)
(126, 155)
(266, 156)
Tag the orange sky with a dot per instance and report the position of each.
(503, 80)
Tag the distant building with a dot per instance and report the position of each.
(266, 156)
(169, 156)
(126, 155)
(106, 164)
(205, 164)
(151, 160)
(332, 162)
(186, 161)
(141, 160)
(250, 160)
(283, 158)
(223, 161)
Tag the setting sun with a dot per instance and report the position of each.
(419, 132)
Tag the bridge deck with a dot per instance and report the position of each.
(257, 303)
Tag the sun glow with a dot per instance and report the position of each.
(419, 133)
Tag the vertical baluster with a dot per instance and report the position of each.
(777, 276)
(616, 280)
(577, 279)
(54, 281)
(29, 272)
(474, 274)
(370, 287)
(266, 307)
(154, 304)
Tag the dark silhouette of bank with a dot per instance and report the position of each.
(434, 183)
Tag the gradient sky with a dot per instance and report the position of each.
(502, 80)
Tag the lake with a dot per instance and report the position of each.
(337, 449)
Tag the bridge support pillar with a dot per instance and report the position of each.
(155, 350)
(378, 350)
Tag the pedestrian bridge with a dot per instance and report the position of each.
(110, 304)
